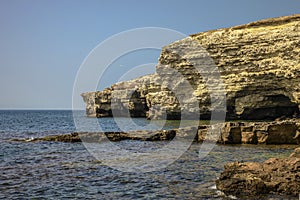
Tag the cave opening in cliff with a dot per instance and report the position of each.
(137, 105)
(268, 107)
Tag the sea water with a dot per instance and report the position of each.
(56, 170)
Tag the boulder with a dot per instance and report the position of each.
(276, 175)
(231, 133)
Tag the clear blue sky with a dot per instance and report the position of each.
(44, 42)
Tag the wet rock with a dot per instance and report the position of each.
(161, 135)
(72, 137)
(142, 135)
(276, 175)
(273, 132)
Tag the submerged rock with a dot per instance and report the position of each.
(276, 175)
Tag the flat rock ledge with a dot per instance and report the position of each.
(274, 176)
(273, 132)
(91, 137)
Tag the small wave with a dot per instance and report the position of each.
(214, 187)
(29, 139)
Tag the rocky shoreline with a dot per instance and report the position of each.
(279, 176)
(259, 66)
(273, 132)
(249, 179)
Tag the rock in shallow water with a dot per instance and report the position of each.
(162, 135)
(276, 175)
(274, 132)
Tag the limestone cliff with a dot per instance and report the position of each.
(258, 64)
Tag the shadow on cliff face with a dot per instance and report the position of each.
(246, 104)
(262, 107)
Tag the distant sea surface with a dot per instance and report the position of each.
(55, 170)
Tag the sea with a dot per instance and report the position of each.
(58, 170)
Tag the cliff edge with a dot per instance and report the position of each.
(257, 62)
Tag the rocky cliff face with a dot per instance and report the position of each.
(258, 63)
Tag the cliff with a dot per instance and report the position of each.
(258, 64)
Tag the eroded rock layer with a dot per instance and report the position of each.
(277, 132)
(258, 63)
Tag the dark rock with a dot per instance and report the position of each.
(112, 136)
(73, 137)
(274, 132)
(276, 175)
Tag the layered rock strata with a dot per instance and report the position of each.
(280, 132)
(258, 64)
(276, 175)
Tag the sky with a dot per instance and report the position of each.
(43, 43)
